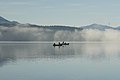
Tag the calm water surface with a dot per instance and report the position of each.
(78, 61)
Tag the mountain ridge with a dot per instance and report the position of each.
(7, 23)
(98, 26)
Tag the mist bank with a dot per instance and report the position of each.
(15, 31)
(18, 33)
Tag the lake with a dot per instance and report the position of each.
(77, 61)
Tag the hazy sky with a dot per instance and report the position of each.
(62, 12)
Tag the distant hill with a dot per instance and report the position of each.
(57, 27)
(97, 26)
(5, 22)
(118, 27)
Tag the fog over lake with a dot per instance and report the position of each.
(19, 33)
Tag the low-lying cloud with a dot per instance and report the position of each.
(39, 34)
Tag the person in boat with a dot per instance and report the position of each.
(63, 43)
(54, 44)
(59, 43)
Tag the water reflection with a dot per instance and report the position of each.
(12, 52)
(98, 50)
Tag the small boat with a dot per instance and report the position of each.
(65, 43)
(57, 44)
(60, 44)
